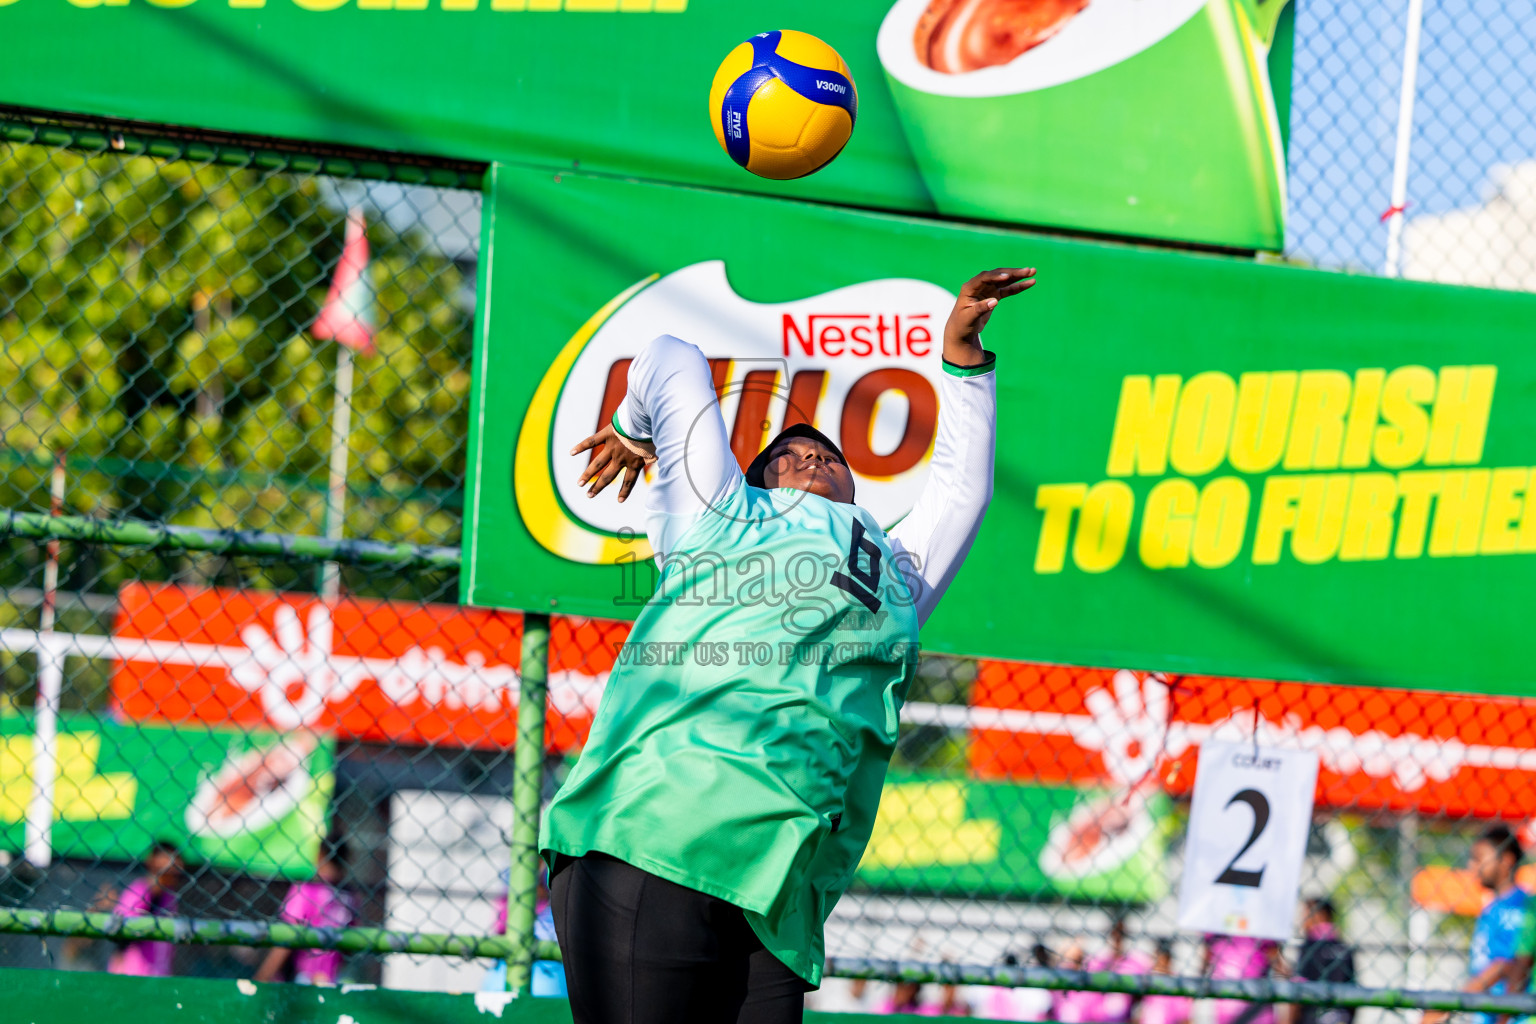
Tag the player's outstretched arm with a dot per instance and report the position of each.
(932, 541)
(973, 309)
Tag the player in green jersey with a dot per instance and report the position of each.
(731, 779)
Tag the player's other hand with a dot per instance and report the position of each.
(612, 455)
(978, 298)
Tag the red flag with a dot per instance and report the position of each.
(347, 316)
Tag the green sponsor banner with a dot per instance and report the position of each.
(976, 838)
(1205, 464)
(254, 801)
(1150, 120)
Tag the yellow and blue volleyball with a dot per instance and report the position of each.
(783, 104)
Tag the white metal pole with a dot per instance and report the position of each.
(50, 687)
(1392, 267)
(336, 492)
(1415, 964)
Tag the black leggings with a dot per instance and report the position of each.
(642, 950)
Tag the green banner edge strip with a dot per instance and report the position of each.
(100, 139)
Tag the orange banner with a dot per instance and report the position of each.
(382, 671)
(404, 672)
(1400, 750)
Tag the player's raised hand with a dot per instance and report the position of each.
(614, 455)
(978, 298)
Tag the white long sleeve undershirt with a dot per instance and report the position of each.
(671, 402)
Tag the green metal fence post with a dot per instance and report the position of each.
(527, 790)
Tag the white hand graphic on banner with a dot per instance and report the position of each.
(292, 673)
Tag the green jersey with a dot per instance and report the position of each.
(742, 740)
(1525, 942)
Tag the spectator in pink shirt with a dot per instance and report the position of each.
(1023, 1004)
(951, 1004)
(1115, 1007)
(1165, 1009)
(1240, 956)
(1074, 1007)
(153, 895)
(317, 903)
(907, 998)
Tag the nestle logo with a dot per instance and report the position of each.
(831, 86)
(859, 334)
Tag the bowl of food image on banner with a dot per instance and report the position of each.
(1143, 117)
(264, 796)
(1107, 832)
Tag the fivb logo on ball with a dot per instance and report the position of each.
(862, 364)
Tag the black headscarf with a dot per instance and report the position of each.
(755, 470)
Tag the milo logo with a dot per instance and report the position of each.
(861, 364)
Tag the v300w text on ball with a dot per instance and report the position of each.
(783, 104)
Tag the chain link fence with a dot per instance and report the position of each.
(316, 735)
(160, 363)
(1468, 198)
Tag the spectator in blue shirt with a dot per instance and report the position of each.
(1494, 859)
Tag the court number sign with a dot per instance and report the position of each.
(1248, 826)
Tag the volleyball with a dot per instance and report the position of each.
(783, 104)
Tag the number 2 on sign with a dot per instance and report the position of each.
(1253, 891)
(1231, 874)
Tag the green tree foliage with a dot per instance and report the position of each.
(153, 329)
